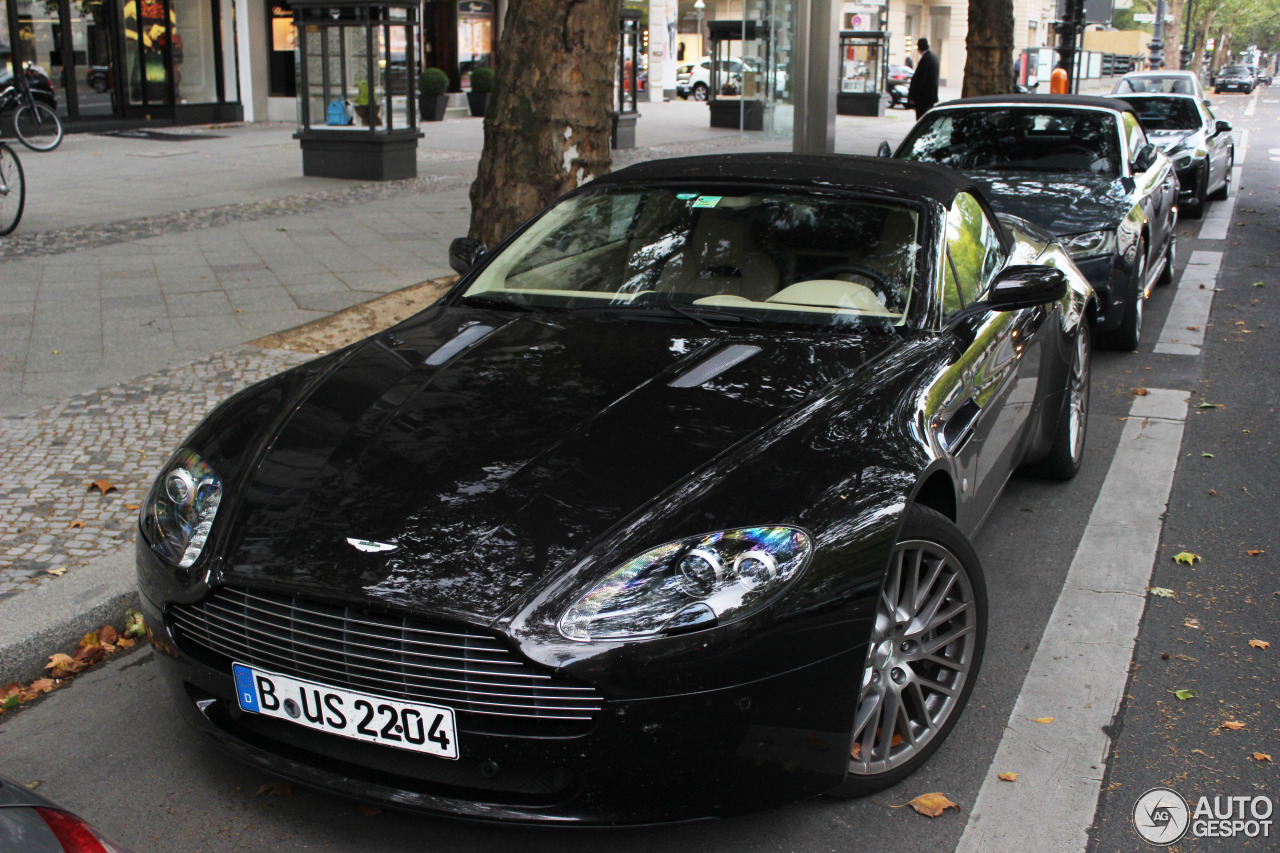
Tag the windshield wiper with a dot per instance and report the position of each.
(696, 313)
(491, 302)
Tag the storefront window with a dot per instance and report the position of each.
(149, 26)
(475, 38)
(284, 41)
(37, 41)
(195, 76)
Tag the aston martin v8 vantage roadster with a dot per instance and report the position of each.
(661, 513)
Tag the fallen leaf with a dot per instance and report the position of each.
(1255, 552)
(107, 635)
(58, 572)
(134, 625)
(1193, 328)
(275, 789)
(1259, 284)
(1008, 777)
(1207, 405)
(102, 486)
(1186, 693)
(1186, 557)
(368, 810)
(1261, 756)
(1140, 392)
(33, 785)
(930, 805)
(125, 643)
(1233, 725)
(1045, 720)
(133, 507)
(1161, 591)
(1260, 644)
(76, 524)
(1213, 492)
(1209, 455)
(41, 686)
(1191, 623)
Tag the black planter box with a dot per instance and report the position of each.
(478, 103)
(726, 113)
(432, 107)
(359, 155)
(859, 104)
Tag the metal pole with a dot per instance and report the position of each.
(1184, 55)
(1068, 34)
(1156, 59)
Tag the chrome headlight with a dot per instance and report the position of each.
(692, 583)
(1183, 160)
(178, 513)
(1089, 244)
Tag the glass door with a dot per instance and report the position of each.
(150, 33)
(95, 73)
(38, 41)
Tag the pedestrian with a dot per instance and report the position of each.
(923, 92)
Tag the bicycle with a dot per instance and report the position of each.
(37, 125)
(13, 189)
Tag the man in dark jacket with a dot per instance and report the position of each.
(923, 92)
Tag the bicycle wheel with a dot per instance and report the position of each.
(39, 129)
(13, 190)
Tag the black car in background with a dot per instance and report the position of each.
(39, 81)
(1199, 145)
(1234, 78)
(1082, 169)
(661, 513)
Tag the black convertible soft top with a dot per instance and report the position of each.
(824, 171)
(1090, 101)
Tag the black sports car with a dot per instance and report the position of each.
(1199, 145)
(1235, 78)
(1081, 168)
(659, 514)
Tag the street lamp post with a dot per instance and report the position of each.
(1156, 58)
(1188, 49)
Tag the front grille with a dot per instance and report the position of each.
(388, 655)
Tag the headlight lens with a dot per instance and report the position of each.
(1183, 160)
(696, 582)
(1089, 244)
(179, 512)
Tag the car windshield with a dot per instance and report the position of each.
(1173, 85)
(717, 255)
(1236, 70)
(1018, 139)
(1158, 114)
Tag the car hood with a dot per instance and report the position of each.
(1061, 203)
(1168, 140)
(452, 477)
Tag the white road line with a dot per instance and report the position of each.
(1253, 103)
(1215, 225)
(1080, 669)
(1183, 332)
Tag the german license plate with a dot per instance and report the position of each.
(361, 716)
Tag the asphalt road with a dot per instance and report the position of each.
(111, 747)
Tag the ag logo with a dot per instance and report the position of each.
(1161, 816)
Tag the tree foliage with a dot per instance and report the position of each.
(547, 128)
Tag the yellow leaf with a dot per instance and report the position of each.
(930, 805)
(1261, 756)
(76, 524)
(1140, 392)
(1254, 552)
(1186, 557)
(1233, 725)
(102, 486)
(1008, 777)
(1260, 644)
(1045, 720)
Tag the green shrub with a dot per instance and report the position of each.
(482, 81)
(433, 81)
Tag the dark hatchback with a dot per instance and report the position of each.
(660, 514)
(1080, 167)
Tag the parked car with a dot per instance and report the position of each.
(694, 79)
(1199, 145)
(1081, 168)
(1262, 74)
(99, 77)
(1234, 78)
(899, 81)
(661, 513)
(1160, 82)
(39, 81)
(29, 823)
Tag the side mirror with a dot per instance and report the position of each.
(884, 150)
(1019, 286)
(465, 253)
(1146, 158)
(1223, 126)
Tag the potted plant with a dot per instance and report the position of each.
(369, 115)
(433, 83)
(481, 90)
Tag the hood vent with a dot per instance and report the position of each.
(715, 365)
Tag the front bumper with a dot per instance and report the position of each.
(1108, 282)
(648, 760)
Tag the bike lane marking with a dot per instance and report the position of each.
(1184, 327)
(1081, 665)
(1215, 225)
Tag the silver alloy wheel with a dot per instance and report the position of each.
(922, 650)
(1079, 391)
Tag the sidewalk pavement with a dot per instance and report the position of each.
(145, 265)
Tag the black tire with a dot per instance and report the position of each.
(13, 190)
(1067, 453)
(699, 91)
(1195, 209)
(1127, 336)
(924, 697)
(1224, 192)
(99, 84)
(39, 129)
(1217, 91)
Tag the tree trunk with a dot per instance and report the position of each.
(988, 68)
(547, 128)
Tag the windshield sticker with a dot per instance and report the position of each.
(686, 196)
(707, 201)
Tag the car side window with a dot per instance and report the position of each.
(973, 254)
(1135, 137)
